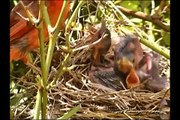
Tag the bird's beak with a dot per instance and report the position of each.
(132, 79)
(124, 65)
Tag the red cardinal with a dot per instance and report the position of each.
(23, 35)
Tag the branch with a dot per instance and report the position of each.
(145, 17)
(90, 45)
(165, 52)
(30, 16)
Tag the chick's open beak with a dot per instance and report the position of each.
(132, 79)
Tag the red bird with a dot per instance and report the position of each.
(23, 35)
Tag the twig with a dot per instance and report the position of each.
(146, 17)
(30, 18)
(160, 106)
(34, 68)
(91, 45)
(127, 115)
(163, 51)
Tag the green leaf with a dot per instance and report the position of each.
(11, 67)
(11, 114)
(166, 38)
(127, 29)
(70, 113)
(136, 20)
(132, 5)
(15, 99)
(12, 84)
(91, 19)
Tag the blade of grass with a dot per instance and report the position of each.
(70, 113)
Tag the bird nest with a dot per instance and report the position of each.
(97, 101)
(74, 87)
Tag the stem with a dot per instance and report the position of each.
(68, 56)
(42, 53)
(52, 39)
(38, 99)
(46, 19)
(81, 3)
(38, 104)
(60, 70)
(156, 47)
(44, 103)
(42, 59)
(30, 16)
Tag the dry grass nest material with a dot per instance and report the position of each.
(97, 101)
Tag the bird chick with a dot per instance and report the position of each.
(100, 49)
(130, 47)
(149, 70)
(127, 54)
(123, 73)
(109, 79)
(132, 79)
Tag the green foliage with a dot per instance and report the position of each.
(132, 5)
(166, 38)
(70, 113)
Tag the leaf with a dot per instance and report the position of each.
(136, 20)
(19, 98)
(11, 67)
(70, 113)
(166, 38)
(15, 100)
(91, 19)
(127, 29)
(12, 84)
(132, 5)
(11, 114)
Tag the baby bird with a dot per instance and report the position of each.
(149, 70)
(127, 54)
(100, 49)
(123, 73)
